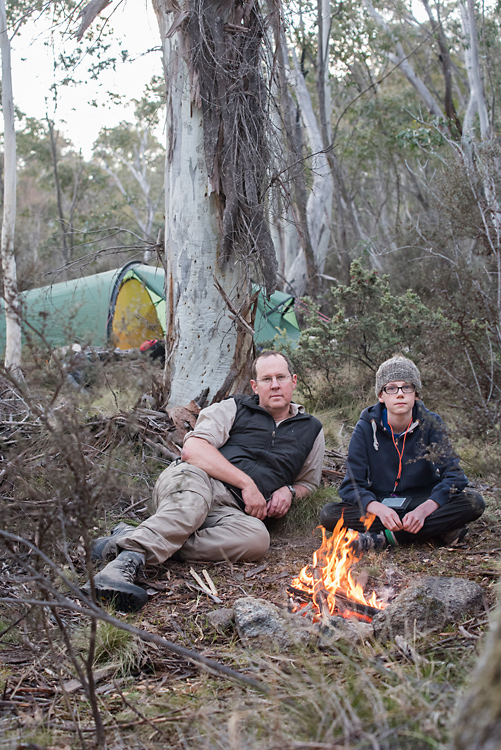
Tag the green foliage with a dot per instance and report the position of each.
(419, 135)
(368, 324)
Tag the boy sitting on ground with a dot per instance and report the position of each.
(401, 468)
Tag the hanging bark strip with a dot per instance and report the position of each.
(227, 52)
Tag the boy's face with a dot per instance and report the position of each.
(399, 403)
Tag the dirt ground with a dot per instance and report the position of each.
(176, 598)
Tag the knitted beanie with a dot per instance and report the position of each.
(395, 369)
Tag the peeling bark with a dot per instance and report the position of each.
(226, 59)
(205, 346)
(216, 163)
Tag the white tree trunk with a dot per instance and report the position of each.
(138, 169)
(477, 101)
(486, 161)
(285, 237)
(203, 338)
(10, 293)
(319, 207)
(399, 59)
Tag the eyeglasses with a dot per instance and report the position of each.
(392, 390)
(268, 381)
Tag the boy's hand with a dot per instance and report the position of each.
(388, 516)
(414, 520)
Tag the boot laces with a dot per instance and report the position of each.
(130, 568)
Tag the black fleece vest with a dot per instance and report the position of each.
(272, 456)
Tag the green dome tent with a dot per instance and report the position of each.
(121, 308)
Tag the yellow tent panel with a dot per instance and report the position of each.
(135, 318)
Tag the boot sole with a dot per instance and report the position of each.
(124, 597)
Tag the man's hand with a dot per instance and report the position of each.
(388, 516)
(414, 520)
(280, 502)
(255, 504)
(199, 452)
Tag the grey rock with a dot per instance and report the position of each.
(261, 623)
(348, 629)
(221, 619)
(429, 604)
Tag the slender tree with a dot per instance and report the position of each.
(10, 293)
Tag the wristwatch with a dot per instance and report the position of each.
(292, 491)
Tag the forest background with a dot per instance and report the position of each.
(379, 185)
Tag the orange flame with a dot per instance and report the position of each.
(331, 573)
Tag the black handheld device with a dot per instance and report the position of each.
(397, 503)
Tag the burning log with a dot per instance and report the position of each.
(320, 594)
(342, 601)
(329, 583)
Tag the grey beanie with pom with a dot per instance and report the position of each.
(395, 369)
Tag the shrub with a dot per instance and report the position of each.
(368, 324)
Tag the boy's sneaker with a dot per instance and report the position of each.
(369, 541)
(115, 583)
(105, 547)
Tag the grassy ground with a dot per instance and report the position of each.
(344, 696)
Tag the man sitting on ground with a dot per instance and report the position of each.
(246, 460)
(401, 468)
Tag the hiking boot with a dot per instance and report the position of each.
(368, 542)
(105, 547)
(115, 583)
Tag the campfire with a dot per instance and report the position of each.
(327, 586)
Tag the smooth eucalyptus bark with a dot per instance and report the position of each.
(319, 207)
(481, 158)
(10, 293)
(477, 103)
(291, 232)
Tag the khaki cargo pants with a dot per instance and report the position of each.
(199, 517)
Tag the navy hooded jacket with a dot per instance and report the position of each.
(430, 468)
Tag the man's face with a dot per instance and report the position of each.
(274, 385)
(400, 402)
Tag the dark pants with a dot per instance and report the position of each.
(461, 509)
